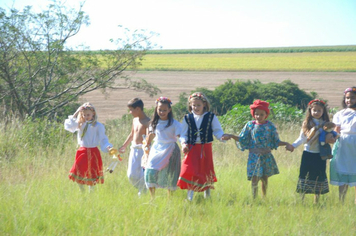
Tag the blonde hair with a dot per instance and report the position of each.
(80, 117)
(198, 96)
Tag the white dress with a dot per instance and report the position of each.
(163, 144)
(343, 165)
(163, 165)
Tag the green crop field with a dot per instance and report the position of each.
(304, 61)
(346, 48)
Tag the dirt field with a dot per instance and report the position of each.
(328, 85)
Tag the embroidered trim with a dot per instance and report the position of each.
(196, 184)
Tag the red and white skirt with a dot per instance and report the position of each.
(197, 171)
(88, 167)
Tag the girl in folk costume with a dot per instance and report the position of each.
(198, 127)
(312, 172)
(88, 167)
(343, 165)
(259, 136)
(163, 165)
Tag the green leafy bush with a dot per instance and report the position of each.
(225, 96)
(234, 120)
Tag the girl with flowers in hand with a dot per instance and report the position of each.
(259, 136)
(163, 165)
(343, 165)
(198, 128)
(88, 166)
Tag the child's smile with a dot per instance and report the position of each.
(197, 107)
(163, 111)
(350, 99)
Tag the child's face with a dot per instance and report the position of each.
(134, 111)
(197, 106)
(88, 115)
(163, 110)
(316, 111)
(350, 99)
(260, 116)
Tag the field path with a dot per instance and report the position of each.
(328, 85)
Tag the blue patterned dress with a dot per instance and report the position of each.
(260, 139)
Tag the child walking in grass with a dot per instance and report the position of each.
(198, 127)
(88, 167)
(140, 123)
(343, 165)
(163, 165)
(312, 172)
(259, 136)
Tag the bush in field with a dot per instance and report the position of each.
(225, 96)
(236, 118)
(286, 92)
(181, 108)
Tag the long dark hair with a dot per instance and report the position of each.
(155, 119)
(308, 123)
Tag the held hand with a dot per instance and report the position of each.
(289, 147)
(234, 137)
(146, 148)
(185, 148)
(122, 149)
(111, 150)
(226, 137)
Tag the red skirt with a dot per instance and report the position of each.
(197, 172)
(88, 167)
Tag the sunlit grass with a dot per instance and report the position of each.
(37, 198)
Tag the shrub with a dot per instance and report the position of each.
(225, 96)
(234, 120)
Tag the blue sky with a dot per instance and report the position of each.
(186, 24)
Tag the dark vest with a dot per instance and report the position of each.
(205, 129)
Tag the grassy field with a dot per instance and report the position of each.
(305, 61)
(36, 198)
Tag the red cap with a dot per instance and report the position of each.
(259, 104)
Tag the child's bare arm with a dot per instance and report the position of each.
(127, 141)
(232, 136)
(289, 147)
(151, 136)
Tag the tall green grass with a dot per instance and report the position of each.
(37, 198)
